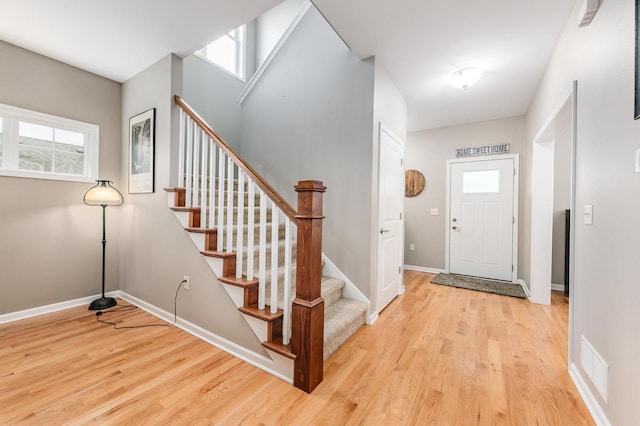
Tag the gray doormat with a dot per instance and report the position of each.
(480, 284)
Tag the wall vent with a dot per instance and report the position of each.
(594, 366)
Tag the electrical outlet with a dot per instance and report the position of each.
(186, 285)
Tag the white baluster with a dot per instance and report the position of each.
(274, 258)
(229, 229)
(250, 225)
(212, 184)
(196, 167)
(262, 259)
(204, 156)
(286, 320)
(221, 161)
(240, 225)
(189, 177)
(182, 147)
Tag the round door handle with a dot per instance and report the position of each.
(382, 230)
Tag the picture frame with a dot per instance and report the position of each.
(636, 113)
(142, 152)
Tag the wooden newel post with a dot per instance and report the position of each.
(307, 337)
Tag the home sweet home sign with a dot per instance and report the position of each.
(483, 150)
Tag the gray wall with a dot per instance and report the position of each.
(271, 26)
(428, 151)
(309, 117)
(212, 92)
(50, 248)
(156, 252)
(606, 293)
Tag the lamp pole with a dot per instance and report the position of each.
(103, 194)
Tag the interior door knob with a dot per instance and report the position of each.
(382, 230)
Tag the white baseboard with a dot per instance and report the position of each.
(525, 288)
(55, 307)
(557, 287)
(424, 269)
(257, 360)
(588, 397)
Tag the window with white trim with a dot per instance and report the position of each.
(227, 52)
(37, 145)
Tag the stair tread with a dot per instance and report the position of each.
(344, 311)
(264, 314)
(175, 189)
(219, 254)
(278, 347)
(201, 230)
(330, 288)
(185, 209)
(239, 282)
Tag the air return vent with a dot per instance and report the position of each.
(595, 367)
(587, 12)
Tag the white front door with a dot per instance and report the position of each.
(390, 205)
(481, 218)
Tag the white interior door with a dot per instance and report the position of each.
(390, 205)
(481, 218)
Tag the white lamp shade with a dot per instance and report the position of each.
(103, 194)
(463, 78)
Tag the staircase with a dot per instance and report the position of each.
(266, 254)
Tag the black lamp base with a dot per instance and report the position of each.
(102, 303)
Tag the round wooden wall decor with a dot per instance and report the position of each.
(413, 183)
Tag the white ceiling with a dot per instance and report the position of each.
(418, 42)
(119, 38)
(421, 42)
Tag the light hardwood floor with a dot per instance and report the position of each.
(436, 356)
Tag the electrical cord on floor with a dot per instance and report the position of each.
(132, 307)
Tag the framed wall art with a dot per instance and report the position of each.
(141, 152)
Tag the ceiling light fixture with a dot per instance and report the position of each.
(464, 78)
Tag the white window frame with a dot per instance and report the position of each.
(12, 116)
(238, 36)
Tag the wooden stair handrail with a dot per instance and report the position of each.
(282, 204)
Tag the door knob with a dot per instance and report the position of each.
(382, 230)
(454, 227)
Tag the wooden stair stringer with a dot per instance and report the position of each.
(244, 293)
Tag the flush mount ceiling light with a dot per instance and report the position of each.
(464, 78)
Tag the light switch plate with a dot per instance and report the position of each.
(434, 212)
(637, 160)
(588, 215)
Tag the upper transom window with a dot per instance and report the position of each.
(227, 52)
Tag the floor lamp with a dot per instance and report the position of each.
(103, 194)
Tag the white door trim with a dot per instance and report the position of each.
(569, 99)
(542, 189)
(375, 222)
(516, 180)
